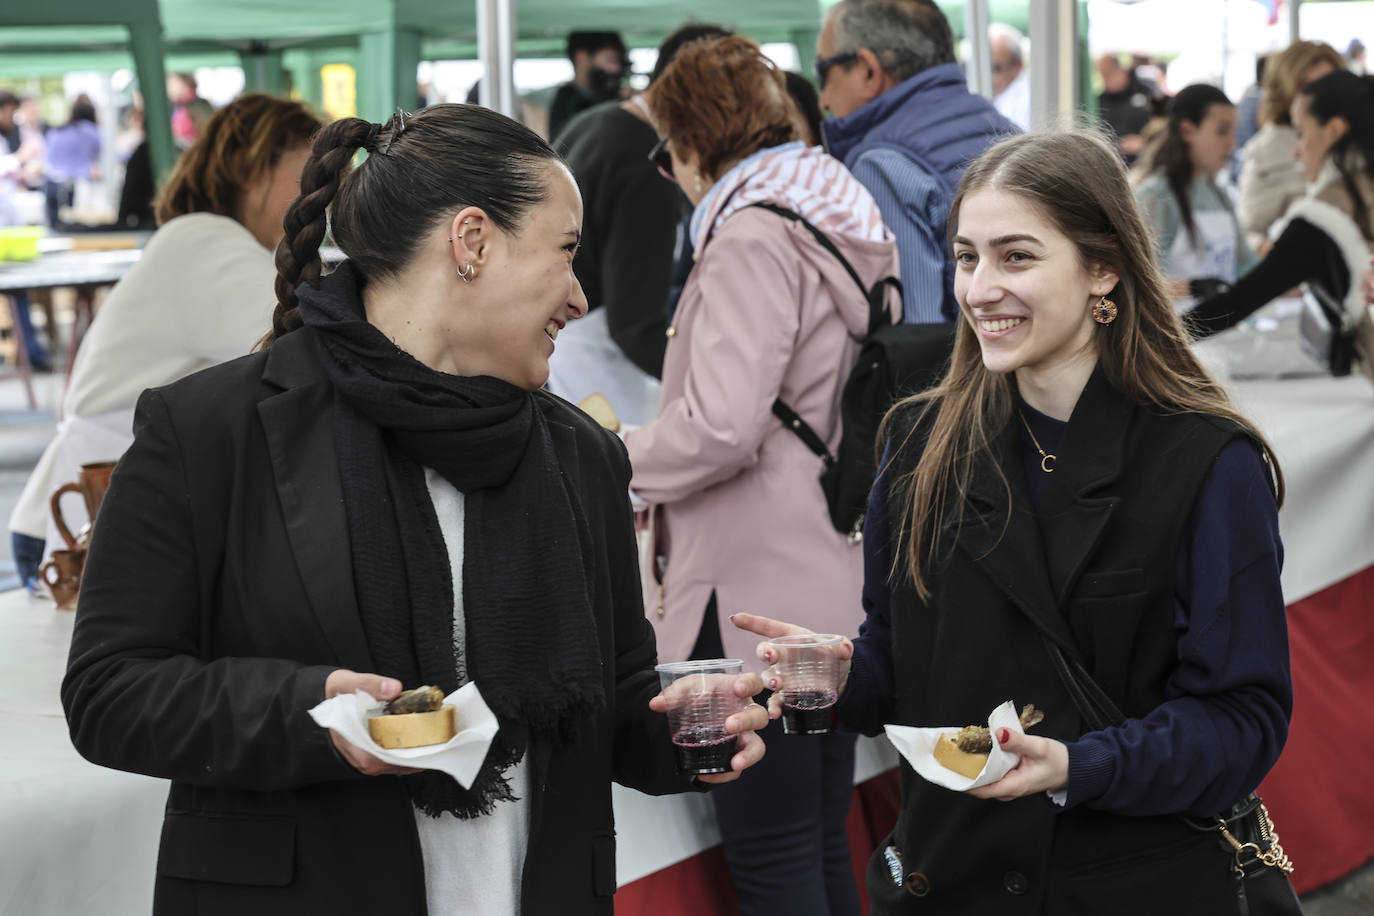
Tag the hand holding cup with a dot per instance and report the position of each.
(839, 653)
(712, 717)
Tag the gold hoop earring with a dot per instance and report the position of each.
(1105, 311)
(467, 272)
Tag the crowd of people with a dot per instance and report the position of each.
(375, 476)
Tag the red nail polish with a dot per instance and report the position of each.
(1002, 735)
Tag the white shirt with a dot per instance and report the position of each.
(472, 866)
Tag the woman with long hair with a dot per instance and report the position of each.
(768, 316)
(383, 497)
(1268, 183)
(1325, 237)
(1077, 484)
(1197, 240)
(201, 293)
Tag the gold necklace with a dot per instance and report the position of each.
(1045, 460)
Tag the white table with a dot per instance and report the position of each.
(77, 839)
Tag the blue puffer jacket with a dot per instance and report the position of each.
(932, 122)
(931, 117)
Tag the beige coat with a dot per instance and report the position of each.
(1270, 181)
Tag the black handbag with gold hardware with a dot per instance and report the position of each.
(1245, 831)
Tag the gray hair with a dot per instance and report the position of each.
(1010, 38)
(907, 36)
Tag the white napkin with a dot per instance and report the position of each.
(460, 757)
(917, 745)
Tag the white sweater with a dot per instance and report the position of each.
(472, 866)
(200, 294)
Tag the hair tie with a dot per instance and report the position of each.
(370, 144)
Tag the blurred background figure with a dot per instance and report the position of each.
(201, 293)
(1247, 116)
(189, 110)
(626, 255)
(1326, 236)
(600, 65)
(1270, 180)
(1124, 104)
(1190, 219)
(1010, 78)
(1354, 57)
(807, 117)
(72, 155)
(16, 157)
(767, 314)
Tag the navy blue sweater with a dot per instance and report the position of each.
(1230, 697)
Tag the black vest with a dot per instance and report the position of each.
(1094, 568)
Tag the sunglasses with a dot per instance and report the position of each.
(823, 65)
(662, 159)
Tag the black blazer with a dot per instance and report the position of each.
(218, 596)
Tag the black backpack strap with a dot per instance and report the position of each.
(877, 314)
(877, 317)
(804, 432)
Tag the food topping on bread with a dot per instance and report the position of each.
(976, 739)
(414, 719)
(421, 699)
(966, 751)
(599, 409)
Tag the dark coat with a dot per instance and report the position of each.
(219, 596)
(1093, 568)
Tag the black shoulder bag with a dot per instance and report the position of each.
(1260, 867)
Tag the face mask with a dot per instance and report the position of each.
(606, 83)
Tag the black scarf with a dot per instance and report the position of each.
(530, 639)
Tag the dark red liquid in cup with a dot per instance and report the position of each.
(808, 712)
(704, 749)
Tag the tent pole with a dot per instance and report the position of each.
(980, 50)
(146, 41)
(1054, 63)
(496, 49)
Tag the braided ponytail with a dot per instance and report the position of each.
(298, 252)
(422, 168)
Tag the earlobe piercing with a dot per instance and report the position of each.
(467, 272)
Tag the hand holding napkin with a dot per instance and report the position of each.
(460, 757)
(917, 745)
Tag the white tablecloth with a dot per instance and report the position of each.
(78, 839)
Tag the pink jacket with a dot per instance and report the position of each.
(767, 312)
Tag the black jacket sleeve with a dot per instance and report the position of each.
(643, 757)
(141, 693)
(1303, 253)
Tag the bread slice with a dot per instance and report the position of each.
(949, 756)
(414, 729)
(599, 409)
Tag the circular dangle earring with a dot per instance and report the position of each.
(1105, 311)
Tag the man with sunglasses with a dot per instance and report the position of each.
(906, 125)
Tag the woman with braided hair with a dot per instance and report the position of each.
(383, 497)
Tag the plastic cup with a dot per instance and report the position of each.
(700, 697)
(808, 668)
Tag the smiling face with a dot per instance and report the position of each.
(524, 291)
(1211, 140)
(1023, 288)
